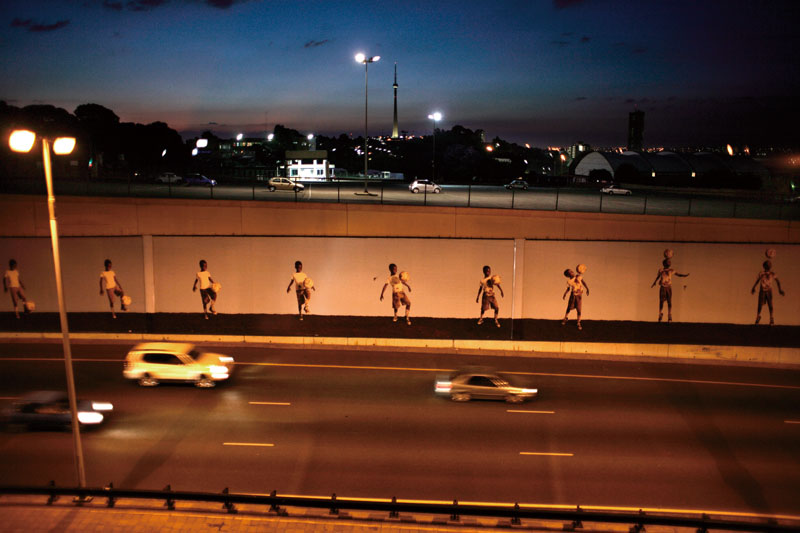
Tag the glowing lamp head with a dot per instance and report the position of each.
(435, 116)
(270, 136)
(201, 143)
(730, 149)
(64, 145)
(374, 58)
(22, 140)
(239, 137)
(360, 58)
(310, 136)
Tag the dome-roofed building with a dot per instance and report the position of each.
(701, 169)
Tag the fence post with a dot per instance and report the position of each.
(227, 505)
(169, 503)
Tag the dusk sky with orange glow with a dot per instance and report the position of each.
(543, 72)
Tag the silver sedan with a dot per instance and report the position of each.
(482, 383)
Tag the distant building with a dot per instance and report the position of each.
(635, 130)
(701, 169)
(308, 165)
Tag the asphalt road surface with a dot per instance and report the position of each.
(651, 202)
(366, 424)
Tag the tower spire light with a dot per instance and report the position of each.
(395, 132)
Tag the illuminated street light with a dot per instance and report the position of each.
(436, 117)
(361, 58)
(240, 137)
(270, 136)
(201, 143)
(22, 141)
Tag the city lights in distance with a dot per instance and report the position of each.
(730, 150)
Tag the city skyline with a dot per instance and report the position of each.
(545, 73)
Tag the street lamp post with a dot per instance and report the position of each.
(436, 117)
(361, 58)
(22, 141)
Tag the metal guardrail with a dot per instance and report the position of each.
(455, 510)
(575, 199)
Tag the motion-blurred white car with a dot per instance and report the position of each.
(482, 383)
(613, 189)
(150, 363)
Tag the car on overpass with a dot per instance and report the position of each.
(517, 184)
(150, 363)
(168, 177)
(199, 179)
(50, 410)
(284, 184)
(424, 186)
(613, 189)
(482, 383)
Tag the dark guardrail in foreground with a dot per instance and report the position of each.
(514, 512)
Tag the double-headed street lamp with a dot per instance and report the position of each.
(436, 117)
(22, 141)
(361, 58)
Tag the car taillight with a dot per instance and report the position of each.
(443, 386)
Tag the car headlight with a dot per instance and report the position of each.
(89, 417)
(102, 406)
(530, 391)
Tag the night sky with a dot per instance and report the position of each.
(543, 72)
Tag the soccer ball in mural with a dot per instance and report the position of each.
(404, 277)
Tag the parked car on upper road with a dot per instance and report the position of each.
(284, 184)
(518, 184)
(613, 189)
(199, 179)
(424, 186)
(150, 363)
(50, 409)
(482, 383)
(168, 177)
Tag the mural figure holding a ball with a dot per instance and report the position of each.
(489, 301)
(664, 280)
(764, 284)
(575, 286)
(399, 296)
(303, 287)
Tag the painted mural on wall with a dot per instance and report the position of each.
(575, 287)
(252, 264)
(303, 286)
(487, 294)
(208, 289)
(110, 285)
(664, 280)
(764, 282)
(397, 282)
(12, 284)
